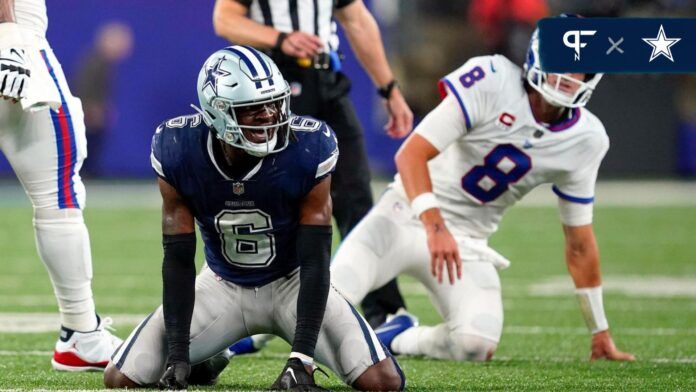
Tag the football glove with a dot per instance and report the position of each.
(175, 377)
(14, 73)
(295, 377)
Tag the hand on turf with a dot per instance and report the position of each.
(14, 74)
(442, 245)
(302, 45)
(400, 115)
(175, 377)
(603, 348)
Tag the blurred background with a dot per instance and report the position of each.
(134, 64)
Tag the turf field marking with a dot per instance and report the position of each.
(634, 286)
(683, 360)
(49, 322)
(539, 330)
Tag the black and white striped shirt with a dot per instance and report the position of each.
(311, 16)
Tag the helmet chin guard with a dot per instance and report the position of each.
(240, 76)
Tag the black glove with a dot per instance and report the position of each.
(175, 377)
(295, 377)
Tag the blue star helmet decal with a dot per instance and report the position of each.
(213, 73)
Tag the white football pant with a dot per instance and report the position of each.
(46, 150)
(388, 242)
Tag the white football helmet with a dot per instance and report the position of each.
(552, 90)
(239, 76)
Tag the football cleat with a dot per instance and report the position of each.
(85, 351)
(394, 326)
(295, 377)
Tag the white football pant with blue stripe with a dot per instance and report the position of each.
(225, 312)
(46, 149)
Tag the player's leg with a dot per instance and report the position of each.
(473, 314)
(46, 150)
(346, 343)
(216, 323)
(375, 252)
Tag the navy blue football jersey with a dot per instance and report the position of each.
(248, 224)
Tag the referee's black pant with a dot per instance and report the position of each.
(323, 94)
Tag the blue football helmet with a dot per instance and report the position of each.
(551, 89)
(240, 76)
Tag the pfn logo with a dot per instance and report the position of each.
(572, 39)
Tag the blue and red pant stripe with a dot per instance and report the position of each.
(65, 143)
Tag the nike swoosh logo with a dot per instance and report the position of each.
(387, 329)
(327, 133)
(292, 373)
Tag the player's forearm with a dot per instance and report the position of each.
(582, 256)
(314, 253)
(366, 41)
(7, 11)
(240, 29)
(412, 164)
(178, 281)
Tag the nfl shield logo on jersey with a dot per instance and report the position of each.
(238, 188)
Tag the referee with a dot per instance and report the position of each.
(300, 36)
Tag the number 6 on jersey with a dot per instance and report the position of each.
(246, 242)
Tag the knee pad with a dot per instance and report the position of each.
(467, 347)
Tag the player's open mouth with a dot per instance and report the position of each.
(259, 135)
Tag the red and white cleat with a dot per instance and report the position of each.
(85, 351)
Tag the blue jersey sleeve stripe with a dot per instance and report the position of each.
(574, 199)
(461, 103)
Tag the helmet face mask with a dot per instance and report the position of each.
(557, 89)
(239, 79)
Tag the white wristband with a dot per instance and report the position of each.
(423, 202)
(10, 35)
(592, 308)
(306, 359)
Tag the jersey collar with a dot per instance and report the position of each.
(247, 177)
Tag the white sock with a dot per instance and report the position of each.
(63, 245)
(430, 341)
(260, 341)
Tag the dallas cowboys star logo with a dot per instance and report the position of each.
(213, 73)
(661, 45)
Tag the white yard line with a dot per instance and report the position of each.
(541, 359)
(49, 322)
(110, 194)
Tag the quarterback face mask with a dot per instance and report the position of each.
(566, 90)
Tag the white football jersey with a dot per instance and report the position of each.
(31, 14)
(493, 151)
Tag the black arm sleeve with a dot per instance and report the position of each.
(178, 278)
(314, 253)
